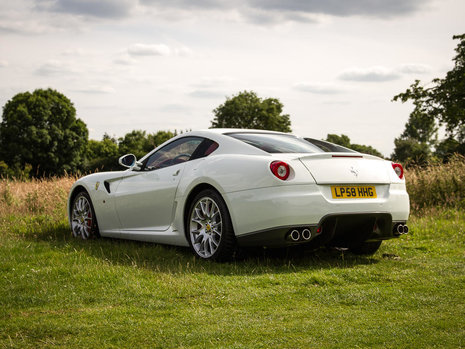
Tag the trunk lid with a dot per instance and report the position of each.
(338, 168)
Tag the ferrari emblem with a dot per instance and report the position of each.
(97, 185)
(354, 171)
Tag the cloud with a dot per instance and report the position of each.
(124, 60)
(376, 8)
(318, 88)
(175, 108)
(101, 8)
(149, 50)
(158, 50)
(207, 94)
(213, 81)
(370, 74)
(3, 64)
(413, 68)
(272, 11)
(54, 67)
(95, 89)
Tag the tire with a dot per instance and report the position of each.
(208, 227)
(83, 219)
(366, 248)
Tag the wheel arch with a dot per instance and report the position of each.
(187, 203)
(74, 192)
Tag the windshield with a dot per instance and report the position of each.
(329, 147)
(277, 143)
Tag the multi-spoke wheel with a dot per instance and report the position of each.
(83, 221)
(209, 227)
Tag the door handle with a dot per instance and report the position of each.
(176, 173)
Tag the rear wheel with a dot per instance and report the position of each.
(83, 220)
(209, 228)
(366, 248)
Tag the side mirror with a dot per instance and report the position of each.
(128, 160)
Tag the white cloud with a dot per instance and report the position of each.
(149, 50)
(414, 68)
(213, 81)
(95, 89)
(124, 60)
(370, 74)
(3, 64)
(54, 67)
(203, 93)
(101, 8)
(158, 50)
(318, 88)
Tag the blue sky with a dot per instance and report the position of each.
(159, 65)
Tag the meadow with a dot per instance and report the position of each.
(56, 291)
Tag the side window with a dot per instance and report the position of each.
(204, 149)
(180, 150)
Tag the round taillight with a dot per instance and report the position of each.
(398, 169)
(280, 169)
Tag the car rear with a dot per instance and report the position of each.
(325, 195)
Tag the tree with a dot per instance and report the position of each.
(247, 110)
(134, 142)
(443, 104)
(41, 129)
(102, 155)
(345, 142)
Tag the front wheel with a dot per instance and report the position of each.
(209, 227)
(83, 220)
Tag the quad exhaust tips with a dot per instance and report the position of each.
(299, 235)
(295, 235)
(400, 229)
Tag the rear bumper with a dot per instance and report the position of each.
(343, 230)
(272, 211)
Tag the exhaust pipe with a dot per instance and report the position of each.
(306, 234)
(295, 235)
(400, 229)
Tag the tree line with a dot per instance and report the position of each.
(40, 134)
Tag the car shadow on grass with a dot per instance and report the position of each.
(173, 259)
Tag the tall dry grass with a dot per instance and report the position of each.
(36, 196)
(437, 185)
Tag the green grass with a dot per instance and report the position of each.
(56, 291)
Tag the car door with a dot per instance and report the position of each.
(144, 199)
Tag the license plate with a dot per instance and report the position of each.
(353, 191)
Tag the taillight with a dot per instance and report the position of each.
(280, 169)
(398, 169)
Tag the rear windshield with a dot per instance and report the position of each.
(329, 147)
(277, 143)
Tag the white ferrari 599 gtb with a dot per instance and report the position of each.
(217, 189)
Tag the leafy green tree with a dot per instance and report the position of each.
(155, 139)
(41, 129)
(341, 140)
(410, 151)
(344, 140)
(134, 142)
(102, 155)
(442, 102)
(247, 110)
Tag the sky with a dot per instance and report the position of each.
(164, 65)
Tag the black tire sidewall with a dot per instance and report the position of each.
(95, 231)
(227, 243)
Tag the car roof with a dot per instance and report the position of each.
(240, 130)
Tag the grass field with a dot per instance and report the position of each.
(56, 291)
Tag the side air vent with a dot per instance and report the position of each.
(107, 186)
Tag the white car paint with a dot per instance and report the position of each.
(150, 206)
